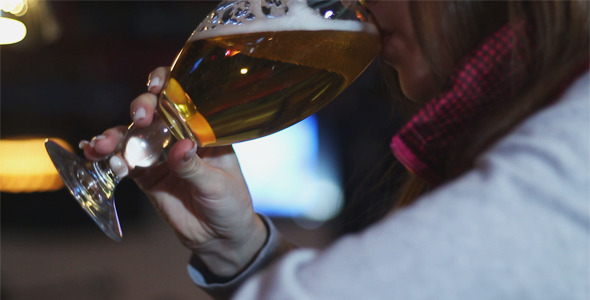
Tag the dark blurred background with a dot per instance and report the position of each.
(72, 77)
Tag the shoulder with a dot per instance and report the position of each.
(539, 171)
(545, 158)
(551, 149)
(545, 161)
(574, 102)
(524, 207)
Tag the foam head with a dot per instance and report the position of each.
(249, 16)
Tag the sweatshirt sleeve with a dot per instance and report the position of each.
(222, 288)
(517, 226)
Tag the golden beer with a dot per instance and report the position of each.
(249, 69)
(232, 88)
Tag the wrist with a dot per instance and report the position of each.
(225, 258)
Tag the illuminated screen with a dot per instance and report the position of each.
(286, 176)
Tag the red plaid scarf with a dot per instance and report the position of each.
(483, 81)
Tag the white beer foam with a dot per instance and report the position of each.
(300, 17)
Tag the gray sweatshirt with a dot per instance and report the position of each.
(517, 226)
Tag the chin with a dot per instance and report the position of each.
(419, 89)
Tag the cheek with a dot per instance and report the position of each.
(415, 78)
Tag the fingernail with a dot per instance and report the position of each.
(154, 81)
(118, 166)
(139, 114)
(190, 153)
(96, 138)
(83, 144)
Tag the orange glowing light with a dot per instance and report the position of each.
(25, 166)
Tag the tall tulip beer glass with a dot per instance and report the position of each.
(251, 68)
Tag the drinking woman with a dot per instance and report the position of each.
(496, 200)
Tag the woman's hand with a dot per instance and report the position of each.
(201, 193)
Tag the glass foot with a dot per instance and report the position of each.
(92, 184)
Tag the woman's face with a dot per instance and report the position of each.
(400, 48)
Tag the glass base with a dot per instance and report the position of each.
(92, 184)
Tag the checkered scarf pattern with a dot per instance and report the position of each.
(483, 81)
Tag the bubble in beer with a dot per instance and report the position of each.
(274, 8)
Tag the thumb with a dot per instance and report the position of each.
(215, 172)
(183, 159)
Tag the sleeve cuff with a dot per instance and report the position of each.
(222, 288)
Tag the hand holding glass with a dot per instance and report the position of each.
(251, 68)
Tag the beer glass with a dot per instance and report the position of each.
(251, 68)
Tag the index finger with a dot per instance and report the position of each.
(156, 79)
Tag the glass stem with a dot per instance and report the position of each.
(142, 147)
(106, 178)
